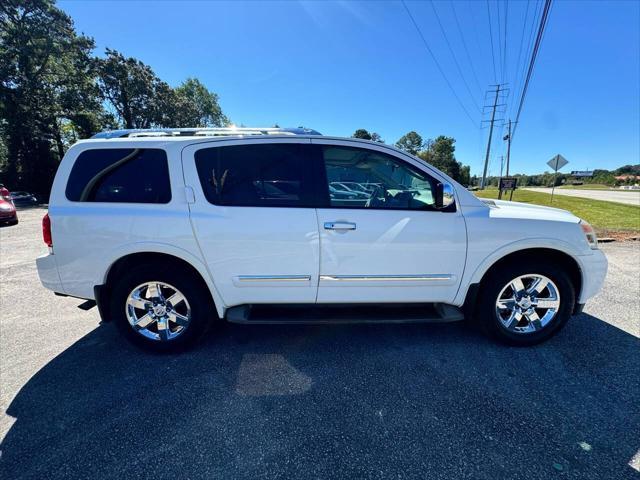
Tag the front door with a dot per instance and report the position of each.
(254, 218)
(381, 238)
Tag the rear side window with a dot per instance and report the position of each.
(262, 175)
(131, 175)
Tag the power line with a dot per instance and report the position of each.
(504, 49)
(499, 42)
(517, 66)
(435, 60)
(528, 47)
(536, 19)
(493, 56)
(455, 60)
(534, 55)
(464, 44)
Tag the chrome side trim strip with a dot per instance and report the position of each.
(386, 278)
(274, 278)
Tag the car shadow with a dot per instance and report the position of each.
(368, 401)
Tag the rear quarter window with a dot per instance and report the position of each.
(120, 175)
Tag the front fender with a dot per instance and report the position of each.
(475, 271)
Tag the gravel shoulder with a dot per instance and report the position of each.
(368, 401)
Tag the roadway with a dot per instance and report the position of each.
(628, 197)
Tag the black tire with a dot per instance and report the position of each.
(192, 288)
(498, 278)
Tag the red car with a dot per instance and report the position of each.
(8, 213)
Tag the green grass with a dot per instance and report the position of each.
(604, 216)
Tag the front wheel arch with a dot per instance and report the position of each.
(549, 254)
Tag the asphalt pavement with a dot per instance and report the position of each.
(628, 197)
(367, 401)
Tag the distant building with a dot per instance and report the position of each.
(626, 178)
(582, 173)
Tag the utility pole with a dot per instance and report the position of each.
(491, 122)
(508, 139)
(501, 164)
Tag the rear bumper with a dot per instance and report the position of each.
(594, 270)
(48, 273)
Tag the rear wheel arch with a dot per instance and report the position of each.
(133, 260)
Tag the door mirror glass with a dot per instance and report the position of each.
(444, 196)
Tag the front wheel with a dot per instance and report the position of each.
(527, 303)
(161, 309)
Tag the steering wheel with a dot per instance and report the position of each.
(374, 199)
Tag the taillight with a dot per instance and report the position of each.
(46, 230)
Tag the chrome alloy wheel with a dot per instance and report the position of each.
(528, 303)
(158, 311)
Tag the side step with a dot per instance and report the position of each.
(343, 314)
(88, 305)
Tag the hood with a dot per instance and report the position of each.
(528, 211)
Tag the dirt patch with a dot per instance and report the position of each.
(617, 236)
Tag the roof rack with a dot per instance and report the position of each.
(203, 132)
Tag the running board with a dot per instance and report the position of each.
(88, 305)
(313, 314)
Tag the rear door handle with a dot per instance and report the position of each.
(339, 226)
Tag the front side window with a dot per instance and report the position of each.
(361, 178)
(260, 175)
(120, 175)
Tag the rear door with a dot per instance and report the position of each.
(390, 244)
(254, 218)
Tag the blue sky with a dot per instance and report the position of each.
(338, 66)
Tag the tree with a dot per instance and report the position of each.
(411, 143)
(53, 91)
(139, 98)
(47, 85)
(361, 133)
(465, 175)
(440, 154)
(142, 100)
(196, 106)
(375, 137)
(365, 135)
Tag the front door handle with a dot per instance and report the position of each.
(339, 226)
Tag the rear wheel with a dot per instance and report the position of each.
(527, 303)
(161, 309)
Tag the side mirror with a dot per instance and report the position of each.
(444, 197)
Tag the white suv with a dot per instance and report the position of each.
(168, 229)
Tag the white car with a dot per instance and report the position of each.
(169, 230)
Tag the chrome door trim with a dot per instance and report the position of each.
(274, 278)
(387, 278)
(339, 226)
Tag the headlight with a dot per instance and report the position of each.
(590, 234)
(5, 206)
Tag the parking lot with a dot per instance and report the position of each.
(393, 401)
